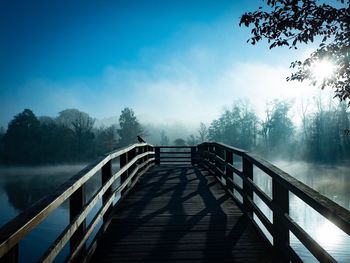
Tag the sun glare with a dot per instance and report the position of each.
(328, 234)
(322, 70)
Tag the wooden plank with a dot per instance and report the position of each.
(93, 244)
(191, 219)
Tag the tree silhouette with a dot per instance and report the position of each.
(203, 132)
(236, 127)
(130, 128)
(81, 125)
(179, 142)
(164, 140)
(22, 138)
(292, 22)
(280, 126)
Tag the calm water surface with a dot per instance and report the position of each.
(331, 181)
(21, 187)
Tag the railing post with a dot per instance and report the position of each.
(193, 155)
(217, 163)
(147, 149)
(157, 155)
(144, 150)
(123, 160)
(280, 200)
(248, 193)
(207, 156)
(11, 256)
(131, 155)
(229, 172)
(76, 203)
(106, 173)
(211, 150)
(141, 151)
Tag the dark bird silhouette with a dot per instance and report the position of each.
(140, 139)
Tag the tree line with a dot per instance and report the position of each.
(323, 135)
(72, 137)
(69, 138)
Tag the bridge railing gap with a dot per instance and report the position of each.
(134, 161)
(221, 159)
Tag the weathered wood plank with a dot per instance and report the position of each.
(184, 214)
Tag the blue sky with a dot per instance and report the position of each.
(169, 60)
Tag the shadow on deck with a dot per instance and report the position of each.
(180, 213)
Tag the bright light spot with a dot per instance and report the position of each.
(323, 70)
(328, 234)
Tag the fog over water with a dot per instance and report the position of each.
(331, 181)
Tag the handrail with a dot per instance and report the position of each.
(218, 158)
(134, 160)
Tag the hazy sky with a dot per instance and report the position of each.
(168, 60)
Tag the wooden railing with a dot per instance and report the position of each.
(134, 161)
(175, 154)
(220, 160)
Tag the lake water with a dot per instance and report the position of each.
(20, 187)
(332, 182)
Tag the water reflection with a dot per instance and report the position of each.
(20, 187)
(333, 182)
(328, 235)
(25, 185)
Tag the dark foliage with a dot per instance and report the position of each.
(322, 137)
(235, 127)
(21, 139)
(130, 128)
(69, 138)
(293, 22)
(179, 142)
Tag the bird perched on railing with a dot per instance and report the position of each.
(140, 139)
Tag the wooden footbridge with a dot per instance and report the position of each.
(176, 204)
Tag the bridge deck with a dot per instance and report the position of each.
(180, 213)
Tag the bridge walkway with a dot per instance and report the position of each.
(180, 213)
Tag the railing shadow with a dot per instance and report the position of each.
(195, 220)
